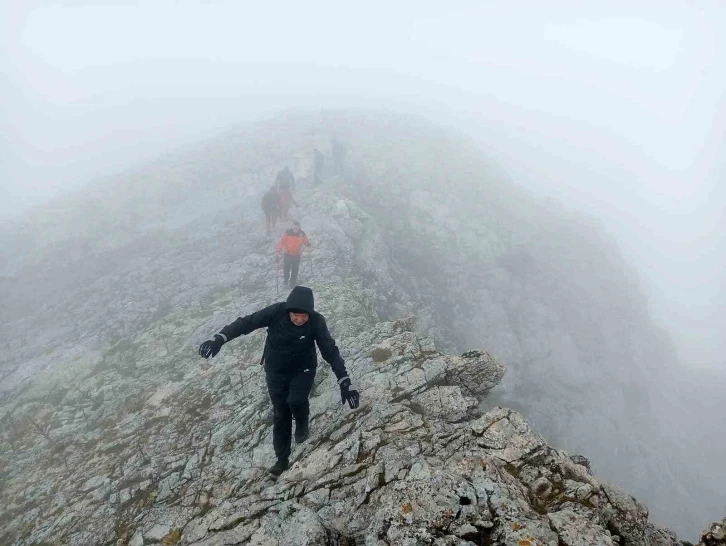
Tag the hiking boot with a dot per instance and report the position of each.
(279, 467)
(302, 431)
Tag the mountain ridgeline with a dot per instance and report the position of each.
(421, 248)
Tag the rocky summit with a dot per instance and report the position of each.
(116, 432)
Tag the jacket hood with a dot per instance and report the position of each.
(300, 298)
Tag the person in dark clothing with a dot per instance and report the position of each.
(293, 330)
(291, 244)
(285, 180)
(318, 163)
(286, 199)
(270, 206)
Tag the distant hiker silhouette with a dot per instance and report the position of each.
(290, 360)
(318, 164)
(285, 179)
(270, 206)
(290, 245)
(285, 182)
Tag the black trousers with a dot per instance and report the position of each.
(289, 395)
(291, 263)
(270, 220)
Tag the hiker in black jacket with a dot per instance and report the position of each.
(285, 180)
(293, 329)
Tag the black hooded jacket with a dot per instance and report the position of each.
(290, 349)
(285, 180)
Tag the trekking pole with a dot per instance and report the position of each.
(277, 275)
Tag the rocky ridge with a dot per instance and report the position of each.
(415, 464)
(115, 431)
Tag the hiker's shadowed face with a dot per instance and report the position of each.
(298, 319)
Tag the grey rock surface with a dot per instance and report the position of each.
(115, 431)
(715, 535)
(415, 464)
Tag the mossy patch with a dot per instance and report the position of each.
(172, 538)
(380, 354)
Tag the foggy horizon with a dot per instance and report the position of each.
(616, 110)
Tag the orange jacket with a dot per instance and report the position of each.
(292, 243)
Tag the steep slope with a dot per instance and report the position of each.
(107, 294)
(548, 292)
(166, 453)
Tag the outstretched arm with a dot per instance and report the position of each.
(250, 323)
(241, 326)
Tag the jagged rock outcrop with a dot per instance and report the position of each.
(716, 534)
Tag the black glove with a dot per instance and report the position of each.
(211, 347)
(348, 394)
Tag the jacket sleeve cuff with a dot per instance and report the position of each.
(224, 338)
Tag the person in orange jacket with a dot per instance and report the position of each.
(291, 244)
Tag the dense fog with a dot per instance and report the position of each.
(617, 109)
(608, 119)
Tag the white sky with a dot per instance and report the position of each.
(618, 107)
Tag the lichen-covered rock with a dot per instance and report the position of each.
(656, 535)
(716, 534)
(576, 530)
(477, 371)
(629, 517)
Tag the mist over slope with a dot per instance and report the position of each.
(547, 291)
(158, 258)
